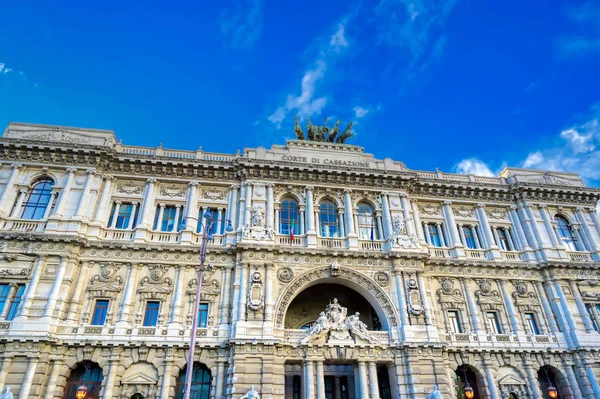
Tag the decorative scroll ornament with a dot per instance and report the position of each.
(285, 274)
(335, 326)
(172, 191)
(450, 297)
(256, 299)
(399, 236)
(382, 278)
(257, 229)
(488, 298)
(523, 297)
(130, 188)
(157, 276)
(213, 194)
(496, 213)
(59, 135)
(464, 212)
(430, 209)
(413, 296)
(549, 179)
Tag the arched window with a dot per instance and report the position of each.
(289, 217)
(566, 234)
(367, 224)
(201, 382)
(38, 199)
(328, 219)
(88, 374)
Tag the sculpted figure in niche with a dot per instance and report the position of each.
(435, 394)
(6, 393)
(251, 394)
(321, 324)
(258, 217)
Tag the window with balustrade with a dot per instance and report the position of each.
(328, 219)
(123, 215)
(39, 201)
(289, 217)
(567, 234)
(469, 237)
(209, 217)
(434, 234)
(167, 218)
(503, 239)
(367, 222)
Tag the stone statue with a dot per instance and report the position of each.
(435, 394)
(251, 394)
(6, 393)
(323, 133)
(321, 324)
(298, 129)
(258, 218)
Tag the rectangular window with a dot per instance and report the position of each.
(4, 290)
(211, 221)
(100, 311)
(454, 321)
(469, 239)
(594, 311)
(203, 315)
(493, 322)
(151, 315)
(503, 239)
(170, 218)
(125, 213)
(530, 320)
(296, 391)
(434, 235)
(15, 302)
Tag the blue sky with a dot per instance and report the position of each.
(451, 84)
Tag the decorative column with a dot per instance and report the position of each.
(521, 239)
(441, 234)
(363, 381)
(471, 305)
(591, 378)
(161, 212)
(54, 371)
(425, 231)
(534, 385)
(485, 226)
(4, 367)
(73, 312)
(248, 205)
(320, 380)
(573, 381)
(451, 223)
(309, 380)
(373, 383)
(379, 224)
(548, 224)
(496, 236)
(489, 375)
(408, 222)
(570, 329)
(341, 223)
(104, 202)
(461, 232)
(224, 311)
(595, 218)
(125, 308)
(28, 378)
(318, 221)
(147, 208)
(401, 295)
(18, 205)
(348, 213)
(109, 382)
(417, 217)
(509, 240)
(166, 378)
(219, 380)
(269, 292)
(176, 302)
(387, 216)
(232, 207)
(242, 293)
(546, 307)
(242, 208)
(191, 207)
(585, 316)
(177, 213)
(11, 294)
(277, 224)
(510, 308)
(587, 246)
(134, 206)
(302, 211)
(83, 205)
(115, 215)
(270, 210)
(5, 199)
(475, 236)
(56, 286)
(424, 298)
(48, 209)
(531, 221)
(65, 192)
(30, 288)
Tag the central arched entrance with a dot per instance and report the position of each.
(306, 306)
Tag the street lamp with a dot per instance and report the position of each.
(552, 391)
(83, 389)
(469, 391)
(203, 248)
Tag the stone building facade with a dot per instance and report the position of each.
(344, 276)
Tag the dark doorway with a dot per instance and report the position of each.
(88, 374)
(462, 372)
(383, 377)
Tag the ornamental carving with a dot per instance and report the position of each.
(430, 209)
(290, 292)
(106, 284)
(14, 273)
(172, 191)
(213, 194)
(382, 278)
(450, 297)
(285, 274)
(130, 188)
(256, 298)
(549, 179)
(399, 236)
(157, 276)
(413, 297)
(464, 211)
(58, 135)
(487, 298)
(108, 274)
(496, 213)
(523, 297)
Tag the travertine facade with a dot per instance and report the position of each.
(491, 279)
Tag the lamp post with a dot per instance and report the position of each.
(203, 248)
(469, 391)
(552, 391)
(82, 390)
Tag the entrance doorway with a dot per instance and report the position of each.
(336, 387)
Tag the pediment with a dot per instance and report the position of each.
(139, 378)
(493, 300)
(99, 286)
(155, 289)
(446, 298)
(511, 380)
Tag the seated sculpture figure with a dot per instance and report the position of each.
(251, 394)
(6, 393)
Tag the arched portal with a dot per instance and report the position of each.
(551, 376)
(366, 287)
(201, 382)
(85, 373)
(306, 306)
(468, 374)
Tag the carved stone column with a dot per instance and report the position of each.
(28, 378)
(51, 390)
(363, 381)
(166, 378)
(125, 308)
(176, 303)
(471, 305)
(65, 192)
(309, 383)
(248, 205)
(11, 294)
(451, 223)
(489, 375)
(269, 292)
(548, 224)
(595, 218)
(320, 376)
(532, 380)
(242, 208)
(4, 367)
(510, 308)
(30, 288)
(310, 211)
(572, 380)
(83, 206)
(147, 209)
(350, 231)
(270, 211)
(585, 317)
(550, 317)
(19, 204)
(410, 226)
(220, 379)
(73, 312)
(424, 299)
(191, 207)
(418, 223)
(232, 205)
(109, 382)
(6, 201)
(225, 303)
(373, 383)
(104, 203)
(242, 292)
(56, 287)
(522, 243)
(387, 216)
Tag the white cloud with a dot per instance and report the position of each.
(304, 104)
(586, 18)
(242, 23)
(474, 166)
(360, 112)
(338, 39)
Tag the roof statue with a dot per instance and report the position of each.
(323, 133)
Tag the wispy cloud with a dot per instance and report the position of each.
(242, 23)
(474, 166)
(338, 39)
(4, 70)
(586, 18)
(360, 112)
